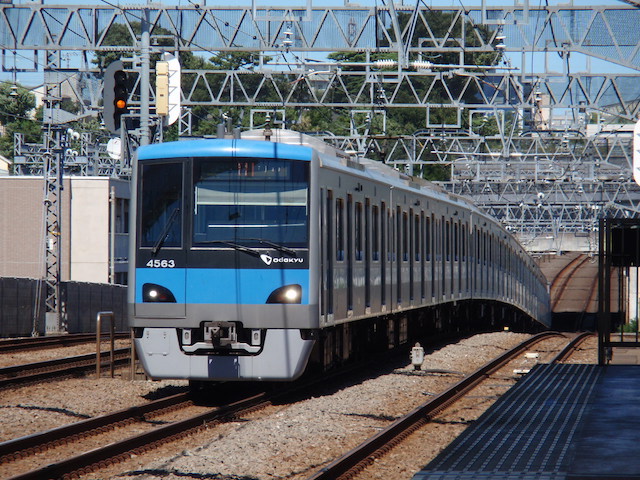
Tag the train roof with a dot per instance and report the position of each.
(372, 168)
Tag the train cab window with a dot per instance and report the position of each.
(375, 233)
(161, 205)
(250, 201)
(358, 232)
(339, 229)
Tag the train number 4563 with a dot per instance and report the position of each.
(157, 263)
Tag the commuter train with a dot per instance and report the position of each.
(256, 256)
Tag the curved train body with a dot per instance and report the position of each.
(251, 252)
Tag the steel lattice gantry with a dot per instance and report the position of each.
(539, 175)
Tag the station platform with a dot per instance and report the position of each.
(560, 421)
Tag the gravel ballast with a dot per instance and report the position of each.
(289, 441)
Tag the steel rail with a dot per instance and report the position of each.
(561, 280)
(30, 343)
(40, 441)
(357, 459)
(59, 367)
(118, 451)
(571, 347)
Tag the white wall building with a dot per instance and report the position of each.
(85, 228)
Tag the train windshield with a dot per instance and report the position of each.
(161, 205)
(252, 202)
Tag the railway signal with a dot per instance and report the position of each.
(115, 96)
(168, 89)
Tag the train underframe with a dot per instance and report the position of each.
(356, 340)
(288, 353)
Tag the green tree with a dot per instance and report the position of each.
(16, 105)
(16, 102)
(31, 130)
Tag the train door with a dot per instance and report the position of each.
(429, 257)
(349, 251)
(161, 260)
(405, 295)
(367, 255)
(437, 258)
(410, 232)
(339, 271)
(476, 262)
(464, 275)
(327, 255)
(455, 267)
(384, 247)
(422, 251)
(376, 257)
(446, 258)
(399, 256)
(359, 275)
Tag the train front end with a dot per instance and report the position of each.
(221, 281)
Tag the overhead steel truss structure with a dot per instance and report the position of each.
(539, 175)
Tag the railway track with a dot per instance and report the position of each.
(574, 287)
(108, 450)
(110, 434)
(36, 343)
(104, 451)
(62, 367)
(355, 461)
(123, 438)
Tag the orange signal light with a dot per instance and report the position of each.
(121, 104)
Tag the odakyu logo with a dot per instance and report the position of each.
(268, 259)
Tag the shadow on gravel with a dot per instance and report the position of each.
(196, 476)
(165, 392)
(396, 362)
(63, 411)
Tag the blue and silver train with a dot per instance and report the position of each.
(256, 256)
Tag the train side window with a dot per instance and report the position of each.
(463, 246)
(339, 229)
(329, 252)
(358, 232)
(427, 238)
(455, 241)
(375, 232)
(447, 241)
(405, 237)
(416, 236)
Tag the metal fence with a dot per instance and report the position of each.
(22, 305)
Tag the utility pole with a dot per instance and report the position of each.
(145, 60)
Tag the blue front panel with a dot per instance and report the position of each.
(171, 278)
(242, 286)
(205, 285)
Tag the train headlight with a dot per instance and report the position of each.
(286, 294)
(157, 293)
